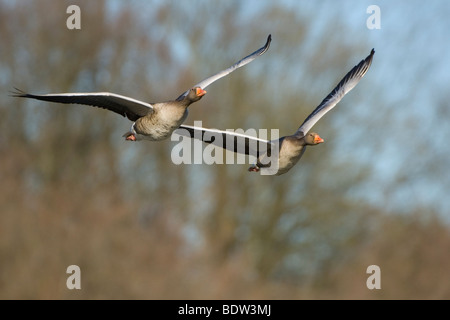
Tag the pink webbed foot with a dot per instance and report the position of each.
(253, 169)
(131, 137)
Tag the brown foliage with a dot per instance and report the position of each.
(73, 192)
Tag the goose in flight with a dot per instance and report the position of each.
(151, 121)
(290, 148)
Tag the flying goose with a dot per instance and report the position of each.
(290, 148)
(151, 121)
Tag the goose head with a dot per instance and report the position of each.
(313, 139)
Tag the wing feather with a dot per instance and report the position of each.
(206, 82)
(128, 107)
(350, 80)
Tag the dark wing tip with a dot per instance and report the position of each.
(17, 93)
(267, 45)
(368, 60)
(361, 69)
(370, 56)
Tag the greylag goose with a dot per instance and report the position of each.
(290, 148)
(151, 121)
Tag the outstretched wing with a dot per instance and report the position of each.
(229, 140)
(203, 84)
(350, 80)
(131, 108)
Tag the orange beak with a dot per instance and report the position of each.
(318, 139)
(200, 92)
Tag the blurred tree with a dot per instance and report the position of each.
(73, 191)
